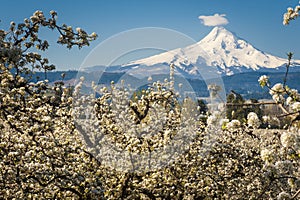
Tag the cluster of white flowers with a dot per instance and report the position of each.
(291, 14)
(296, 106)
(271, 121)
(213, 118)
(282, 152)
(277, 88)
(277, 92)
(287, 139)
(142, 123)
(253, 120)
(266, 155)
(283, 196)
(282, 159)
(288, 99)
(42, 155)
(60, 143)
(263, 80)
(233, 124)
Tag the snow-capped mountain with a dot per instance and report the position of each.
(220, 51)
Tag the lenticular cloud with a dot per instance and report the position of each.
(213, 20)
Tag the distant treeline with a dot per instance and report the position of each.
(245, 84)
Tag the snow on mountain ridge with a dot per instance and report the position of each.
(220, 48)
(225, 49)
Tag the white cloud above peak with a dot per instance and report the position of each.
(213, 20)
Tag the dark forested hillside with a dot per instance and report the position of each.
(244, 83)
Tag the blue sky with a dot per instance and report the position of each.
(257, 21)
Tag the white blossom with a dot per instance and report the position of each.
(266, 155)
(233, 124)
(296, 106)
(253, 120)
(287, 139)
(289, 100)
(277, 89)
(284, 196)
(263, 80)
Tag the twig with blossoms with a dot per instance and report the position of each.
(287, 99)
(291, 14)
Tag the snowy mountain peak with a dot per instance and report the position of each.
(220, 48)
(220, 37)
(219, 33)
(228, 51)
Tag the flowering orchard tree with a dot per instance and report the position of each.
(60, 143)
(41, 155)
(128, 135)
(236, 163)
(282, 155)
(288, 99)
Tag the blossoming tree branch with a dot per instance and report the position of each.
(57, 142)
